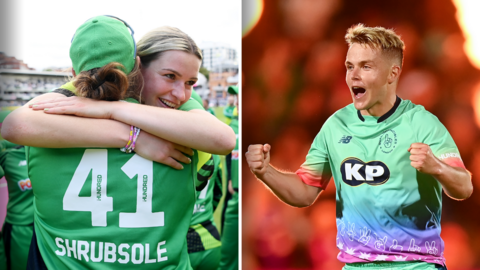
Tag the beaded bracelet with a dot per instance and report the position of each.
(134, 132)
(124, 149)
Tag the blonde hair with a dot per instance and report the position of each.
(162, 39)
(377, 37)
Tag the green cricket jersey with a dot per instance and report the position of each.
(211, 111)
(203, 233)
(234, 165)
(230, 234)
(228, 111)
(102, 208)
(386, 209)
(5, 145)
(203, 205)
(229, 252)
(20, 202)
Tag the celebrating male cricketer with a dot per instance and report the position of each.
(389, 159)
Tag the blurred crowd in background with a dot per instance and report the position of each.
(294, 79)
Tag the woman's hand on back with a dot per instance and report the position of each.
(162, 151)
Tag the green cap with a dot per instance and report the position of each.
(100, 41)
(233, 89)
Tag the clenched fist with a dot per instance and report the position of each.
(423, 160)
(258, 158)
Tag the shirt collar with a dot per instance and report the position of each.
(386, 115)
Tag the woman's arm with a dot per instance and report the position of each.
(34, 128)
(196, 128)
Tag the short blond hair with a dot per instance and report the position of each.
(377, 37)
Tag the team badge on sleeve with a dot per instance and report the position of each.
(356, 172)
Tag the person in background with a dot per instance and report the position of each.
(229, 259)
(17, 229)
(203, 238)
(228, 110)
(206, 106)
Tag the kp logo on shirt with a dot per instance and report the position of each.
(356, 172)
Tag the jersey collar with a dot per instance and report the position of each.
(386, 115)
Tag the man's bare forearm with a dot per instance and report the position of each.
(450, 172)
(289, 188)
(456, 181)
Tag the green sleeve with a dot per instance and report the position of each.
(205, 172)
(4, 145)
(317, 157)
(191, 104)
(210, 110)
(316, 171)
(3, 154)
(429, 130)
(218, 188)
(228, 111)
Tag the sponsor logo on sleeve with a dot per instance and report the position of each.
(22, 163)
(25, 184)
(356, 172)
(449, 155)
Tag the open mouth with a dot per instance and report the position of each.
(168, 104)
(358, 92)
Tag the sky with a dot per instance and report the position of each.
(39, 32)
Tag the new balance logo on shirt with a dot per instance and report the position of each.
(345, 139)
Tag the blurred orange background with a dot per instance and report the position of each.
(294, 79)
